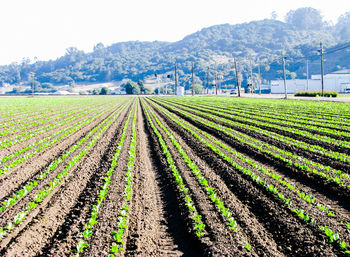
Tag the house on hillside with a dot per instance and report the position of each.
(336, 81)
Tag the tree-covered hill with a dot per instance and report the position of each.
(255, 43)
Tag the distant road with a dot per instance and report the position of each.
(281, 96)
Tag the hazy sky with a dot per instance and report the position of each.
(45, 28)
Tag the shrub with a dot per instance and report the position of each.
(316, 93)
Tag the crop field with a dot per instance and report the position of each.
(169, 176)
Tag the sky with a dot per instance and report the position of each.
(43, 29)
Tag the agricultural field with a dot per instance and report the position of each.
(169, 176)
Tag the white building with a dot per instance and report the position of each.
(336, 81)
(63, 92)
(180, 91)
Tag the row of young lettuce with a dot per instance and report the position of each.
(294, 154)
(222, 117)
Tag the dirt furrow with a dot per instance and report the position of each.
(149, 233)
(68, 234)
(330, 189)
(335, 223)
(291, 234)
(44, 224)
(30, 168)
(308, 140)
(18, 146)
(173, 235)
(261, 241)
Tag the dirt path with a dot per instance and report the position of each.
(151, 225)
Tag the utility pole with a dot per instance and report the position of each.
(259, 78)
(33, 76)
(322, 82)
(216, 81)
(208, 81)
(284, 76)
(307, 74)
(192, 80)
(251, 75)
(238, 86)
(175, 78)
(251, 70)
(157, 83)
(219, 83)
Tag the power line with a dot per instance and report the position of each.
(338, 49)
(311, 58)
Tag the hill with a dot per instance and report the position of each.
(254, 43)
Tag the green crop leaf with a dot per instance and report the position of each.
(87, 233)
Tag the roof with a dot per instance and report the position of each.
(63, 92)
(346, 71)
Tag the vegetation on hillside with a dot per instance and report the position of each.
(258, 42)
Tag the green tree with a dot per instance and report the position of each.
(147, 91)
(104, 91)
(274, 15)
(305, 18)
(343, 26)
(293, 75)
(132, 88)
(142, 88)
(198, 89)
(16, 90)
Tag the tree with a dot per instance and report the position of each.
(46, 87)
(99, 47)
(292, 75)
(142, 88)
(99, 50)
(343, 26)
(147, 91)
(132, 88)
(274, 15)
(104, 91)
(198, 89)
(16, 90)
(71, 50)
(305, 18)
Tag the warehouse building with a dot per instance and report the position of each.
(336, 81)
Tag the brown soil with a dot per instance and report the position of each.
(151, 225)
(48, 221)
(231, 179)
(327, 145)
(317, 215)
(21, 174)
(331, 189)
(159, 222)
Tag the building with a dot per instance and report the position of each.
(180, 91)
(265, 89)
(63, 92)
(336, 81)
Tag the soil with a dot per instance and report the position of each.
(159, 222)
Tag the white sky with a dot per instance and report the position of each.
(45, 28)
